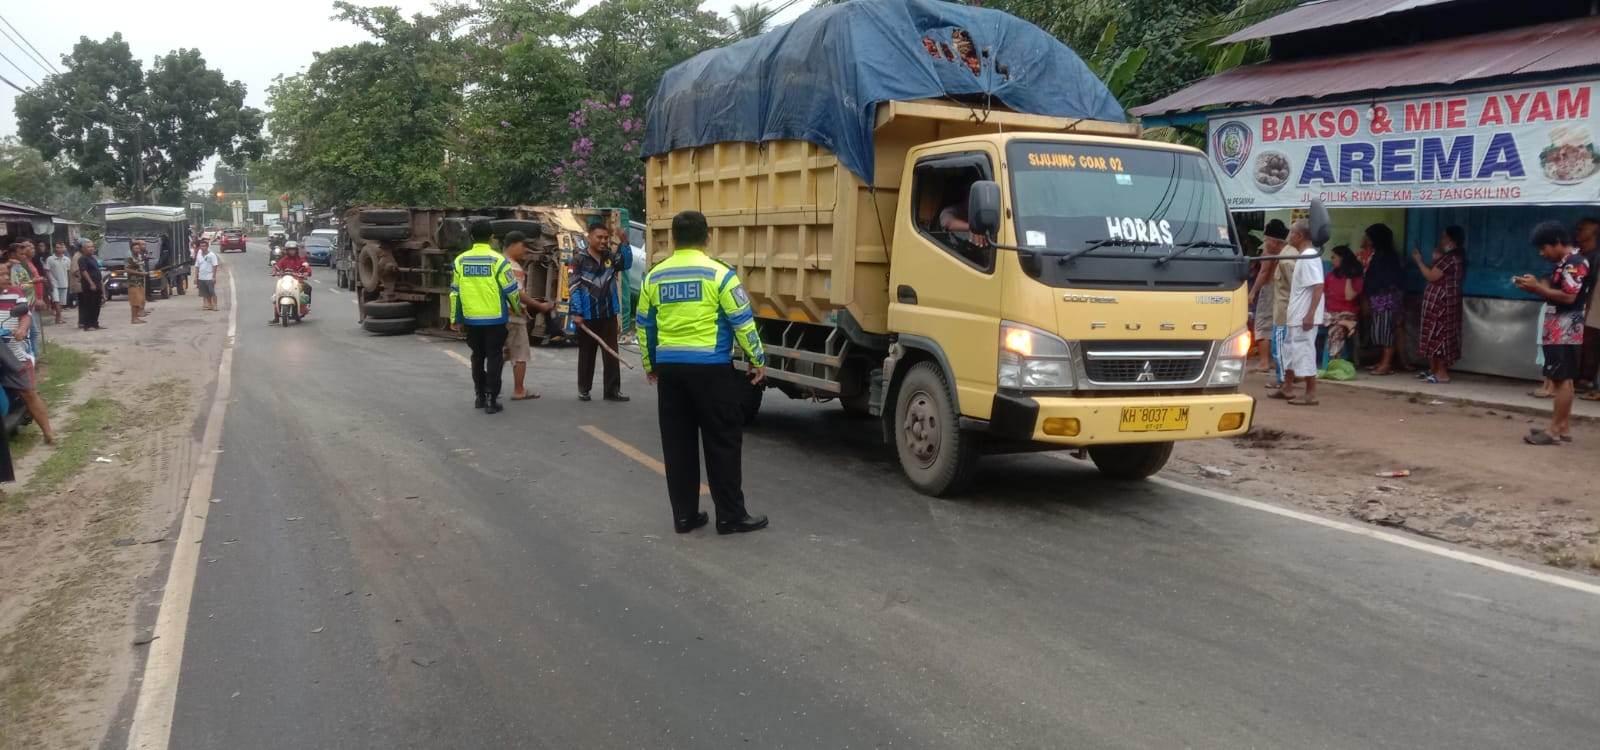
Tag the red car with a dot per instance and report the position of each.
(233, 239)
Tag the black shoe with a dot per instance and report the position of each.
(619, 398)
(683, 527)
(272, 322)
(746, 524)
(480, 402)
(494, 407)
(584, 396)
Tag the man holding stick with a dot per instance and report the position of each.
(593, 288)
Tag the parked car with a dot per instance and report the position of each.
(232, 239)
(319, 247)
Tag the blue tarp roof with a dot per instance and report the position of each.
(821, 78)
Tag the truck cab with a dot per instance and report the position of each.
(1073, 290)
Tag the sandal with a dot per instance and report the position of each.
(1537, 430)
(529, 396)
(1303, 401)
(1379, 373)
(1542, 394)
(1279, 396)
(1590, 396)
(1434, 380)
(1540, 438)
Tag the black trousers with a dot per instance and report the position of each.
(588, 349)
(488, 358)
(700, 405)
(89, 308)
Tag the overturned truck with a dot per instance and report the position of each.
(398, 261)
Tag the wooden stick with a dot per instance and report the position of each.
(603, 345)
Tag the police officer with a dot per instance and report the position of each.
(691, 310)
(483, 297)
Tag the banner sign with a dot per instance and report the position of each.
(258, 205)
(1524, 146)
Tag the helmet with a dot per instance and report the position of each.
(291, 245)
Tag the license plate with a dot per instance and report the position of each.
(1154, 419)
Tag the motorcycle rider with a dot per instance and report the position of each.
(296, 265)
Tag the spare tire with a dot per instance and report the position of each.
(388, 310)
(385, 216)
(386, 234)
(455, 234)
(503, 227)
(368, 269)
(390, 327)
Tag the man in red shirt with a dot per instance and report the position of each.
(295, 264)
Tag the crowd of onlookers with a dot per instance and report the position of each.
(1306, 311)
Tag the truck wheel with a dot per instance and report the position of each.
(750, 401)
(389, 310)
(386, 233)
(936, 456)
(390, 327)
(385, 216)
(502, 227)
(1130, 461)
(368, 269)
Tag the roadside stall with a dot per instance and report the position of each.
(1492, 132)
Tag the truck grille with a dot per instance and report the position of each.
(1143, 364)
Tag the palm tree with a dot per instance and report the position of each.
(750, 20)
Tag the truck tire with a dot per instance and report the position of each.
(391, 327)
(388, 310)
(1138, 461)
(385, 216)
(938, 458)
(386, 233)
(455, 234)
(502, 227)
(368, 269)
(750, 401)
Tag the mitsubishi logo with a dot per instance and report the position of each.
(1146, 374)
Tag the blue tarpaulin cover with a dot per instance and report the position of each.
(820, 79)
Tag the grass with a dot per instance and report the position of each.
(90, 421)
(63, 367)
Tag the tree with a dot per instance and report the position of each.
(372, 122)
(750, 20)
(25, 177)
(140, 133)
(626, 45)
(602, 168)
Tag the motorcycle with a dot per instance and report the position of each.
(290, 302)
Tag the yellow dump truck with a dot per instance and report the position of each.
(1002, 282)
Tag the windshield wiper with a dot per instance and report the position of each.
(1187, 246)
(1097, 244)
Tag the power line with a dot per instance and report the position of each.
(36, 53)
(8, 82)
(19, 68)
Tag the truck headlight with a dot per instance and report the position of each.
(1033, 359)
(1229, 369)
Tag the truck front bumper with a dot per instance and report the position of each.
(1081, 421)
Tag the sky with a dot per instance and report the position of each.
(245, 43)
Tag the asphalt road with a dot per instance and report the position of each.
(389, 568)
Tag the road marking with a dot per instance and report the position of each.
(617, 444)
(457, 356)
(1382, 536)
(158, 691)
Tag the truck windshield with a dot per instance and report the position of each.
(1073, 202)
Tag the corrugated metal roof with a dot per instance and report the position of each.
(1532, 49)
(1326, 13)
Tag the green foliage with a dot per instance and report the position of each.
(372, 122)
(25, 177)
(139, 132)
(603, 167)
(750, 20)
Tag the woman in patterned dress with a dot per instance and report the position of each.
(1381, 284)
(1441, 304)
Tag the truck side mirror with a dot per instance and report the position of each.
(983, 208)
(1321, 226)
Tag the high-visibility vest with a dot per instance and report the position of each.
(691, 311)
(483, 291)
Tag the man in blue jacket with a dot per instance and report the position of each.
(593, 287)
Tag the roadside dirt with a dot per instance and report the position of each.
(77, 562)
(1473, 481)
